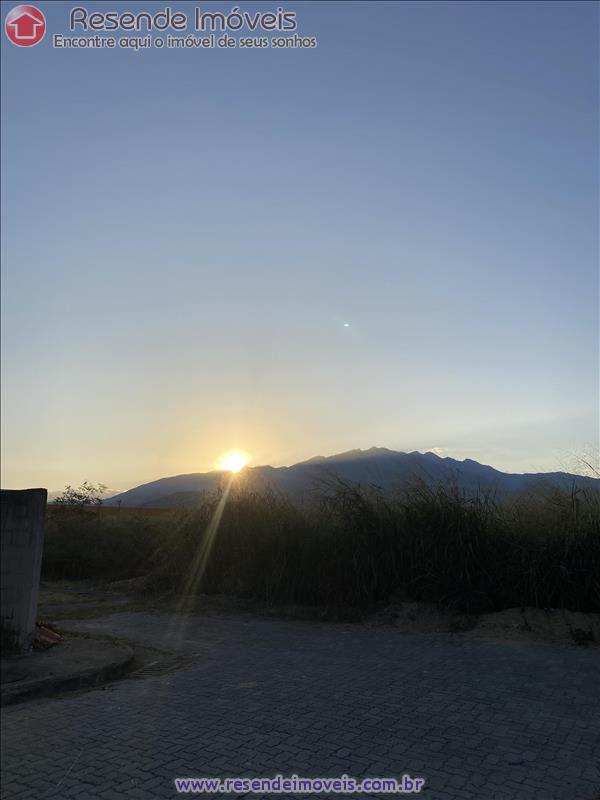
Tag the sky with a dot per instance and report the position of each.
(390, 239)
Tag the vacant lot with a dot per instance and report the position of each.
(353, 547)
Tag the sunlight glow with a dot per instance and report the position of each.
(234, 461)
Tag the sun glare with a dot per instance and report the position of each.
(234, 461)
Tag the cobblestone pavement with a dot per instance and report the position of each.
(484, 720)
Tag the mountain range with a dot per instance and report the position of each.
(388, 469)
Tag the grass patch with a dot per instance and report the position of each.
(353, 548)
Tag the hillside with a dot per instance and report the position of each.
(388, 469)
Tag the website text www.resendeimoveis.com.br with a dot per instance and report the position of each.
(295, 784)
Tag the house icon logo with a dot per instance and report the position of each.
(25, 26)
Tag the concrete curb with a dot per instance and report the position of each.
(45, 687)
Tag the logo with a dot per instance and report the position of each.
(25, 26)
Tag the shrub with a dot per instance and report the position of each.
(98, 543)
(353, 547)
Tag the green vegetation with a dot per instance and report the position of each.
(99, 543)
(88, 494)
(353, 547)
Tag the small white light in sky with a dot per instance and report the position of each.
(346, 324)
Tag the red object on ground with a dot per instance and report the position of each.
(45, 635)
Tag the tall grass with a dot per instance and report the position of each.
(99, 543)
(356, 547)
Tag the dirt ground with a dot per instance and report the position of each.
(65, 599)
(522, 624)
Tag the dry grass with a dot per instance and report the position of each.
(353, 548)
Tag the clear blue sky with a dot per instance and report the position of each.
(186, 233)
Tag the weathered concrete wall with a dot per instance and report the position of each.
(22, 542)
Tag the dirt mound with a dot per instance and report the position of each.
(522, 624)
(536, 624)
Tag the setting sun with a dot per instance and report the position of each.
(234, 461)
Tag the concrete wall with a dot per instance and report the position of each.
(22, 542)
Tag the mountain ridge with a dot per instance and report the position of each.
(378, 466)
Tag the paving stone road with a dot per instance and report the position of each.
(483, 720)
